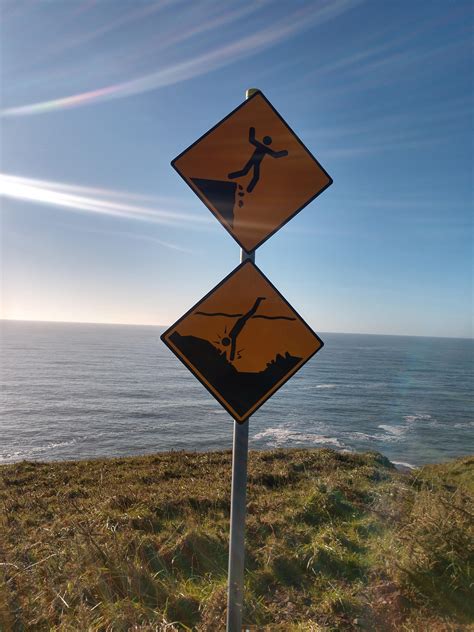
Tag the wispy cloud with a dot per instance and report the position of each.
(437, 123)
(371, 57)
(192, 67)
(440, 113)
(386, 144)
(196, 27)
(135, 236)
(394, 55)
(143, 11)
(99, 201)
(115, 204)
(93, 62)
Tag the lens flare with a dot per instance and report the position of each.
(197, 65)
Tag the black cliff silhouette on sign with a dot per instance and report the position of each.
(231, 338)
(261, 150)
(241, 390)
(221, 194)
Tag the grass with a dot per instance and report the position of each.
(334, 542)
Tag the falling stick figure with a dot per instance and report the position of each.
(231, 337)
(261, 150)
(237, 328)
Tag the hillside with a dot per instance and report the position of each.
(334, 542)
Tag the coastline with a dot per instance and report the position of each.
(401, 466)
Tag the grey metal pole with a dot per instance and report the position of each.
(235, 593)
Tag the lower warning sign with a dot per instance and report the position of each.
(243, 340)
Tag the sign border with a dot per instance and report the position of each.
(191, 368)
(205, 202)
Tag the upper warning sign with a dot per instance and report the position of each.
(252, 172)
(242, 341)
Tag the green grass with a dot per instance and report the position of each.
(334, 542)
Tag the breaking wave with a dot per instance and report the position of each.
(279, 437)
(417, 417)
(468, 424)
(402, 465)
(27, 453)
(394, 430)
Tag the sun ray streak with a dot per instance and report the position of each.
(73, 198)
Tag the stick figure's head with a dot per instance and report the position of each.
(267, 140)
(225, 341)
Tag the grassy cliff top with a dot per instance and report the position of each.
(334, 541)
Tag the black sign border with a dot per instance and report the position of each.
(190, 367)
(203, 199)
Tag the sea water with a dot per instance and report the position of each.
(77, 391)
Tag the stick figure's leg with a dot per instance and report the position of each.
(242, 172)
(232, 349)
(254, 180)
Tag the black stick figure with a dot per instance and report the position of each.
(237, 328)
(261, 150)
(231, 337)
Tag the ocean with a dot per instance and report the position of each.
(78, 391)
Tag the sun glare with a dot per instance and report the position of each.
(78, 198)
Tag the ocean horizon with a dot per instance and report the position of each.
(88, 390)
(164, 327)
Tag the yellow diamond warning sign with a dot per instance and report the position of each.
(252, 172)
(242, 341)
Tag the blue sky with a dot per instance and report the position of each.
(99, 96)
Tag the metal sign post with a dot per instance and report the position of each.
(243, 340)
(238, 501)
(240, 447)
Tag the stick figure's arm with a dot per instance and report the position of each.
(252, 136)
(277, 154)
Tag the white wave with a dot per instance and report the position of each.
(278, 437)
(402, 465)
(395, 430)
(326, 386)
(366, 385)
(378, 436)
(359, 435)
(417, 417)
(468, 424)
(272, 432)
(25, 454)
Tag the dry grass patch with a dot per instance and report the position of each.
(334, 542)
